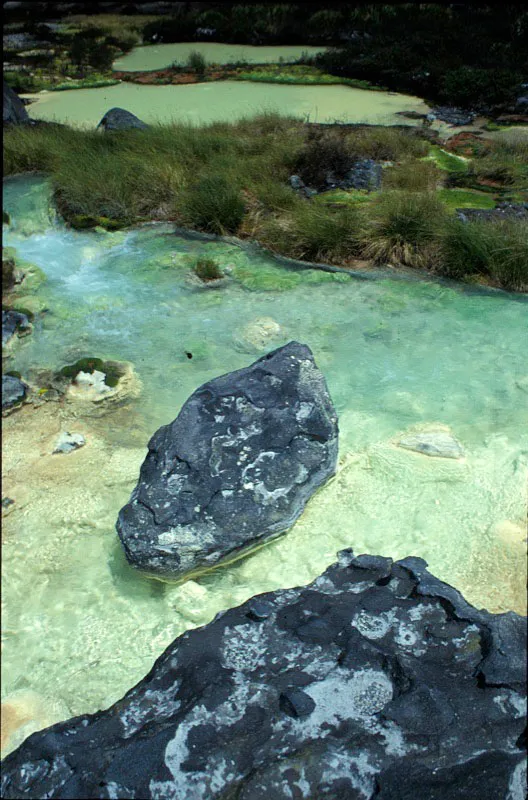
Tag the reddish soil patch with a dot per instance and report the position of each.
(465, 144)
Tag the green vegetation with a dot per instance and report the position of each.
(496, 251)
(402, 227)
(465, 198)
(197, 63)
(212, 204)
(233, 178)
(207, 269)
(302, 74)
(111, 370)
(447, 161)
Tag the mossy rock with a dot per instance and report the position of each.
(111, 370)
(267, 280)
(82, 222)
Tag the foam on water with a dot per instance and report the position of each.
(81, 626)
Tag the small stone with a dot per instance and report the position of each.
(259, 610)
(13, 391)
(433, 443)
(68, 442)
(296, 703)
(6, 502)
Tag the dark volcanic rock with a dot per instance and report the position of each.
(408, 697)
(13, 321)
(451, 115)
(501, 211)
(13, 391)
(365, 174)
(235, 468)
(118, 119)
(14, 110)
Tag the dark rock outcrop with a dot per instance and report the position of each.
(364, 174)
(13, 322)
(13, 391)
(118, 119)
(452, 115)
(376, 681)
(235, 468)
(14, 109)
(501, 211)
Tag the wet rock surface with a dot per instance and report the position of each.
(67, 442)
(235, 468)
(13, 391)
(14, 110)
(376, 680)
(435, 443)
(118, 119)
(13, 322)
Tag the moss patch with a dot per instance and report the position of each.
(447, 161)
(112, 372)
(462, 198)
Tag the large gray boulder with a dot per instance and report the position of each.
(14, 110)
(118, 119)
(235, 468)
(376, 681)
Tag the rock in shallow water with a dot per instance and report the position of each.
(235, 468)
(377, 680)
(13, 391)
(439, 443)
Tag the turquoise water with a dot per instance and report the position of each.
(81, 627)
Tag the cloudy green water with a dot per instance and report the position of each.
(81, 626)
(224, 101)
(159, 56)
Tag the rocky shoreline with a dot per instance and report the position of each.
(376, 680)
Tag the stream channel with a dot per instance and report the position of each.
(81, 627)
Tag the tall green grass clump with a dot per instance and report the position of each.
(402, 228)
(213, 204)
(413, 176)
(313, 233)
(496, 250)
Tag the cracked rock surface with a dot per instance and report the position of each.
(375, 681)
(235, 468)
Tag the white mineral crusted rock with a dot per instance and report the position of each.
(68, 442)
(438, 442)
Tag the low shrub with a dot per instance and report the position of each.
(196, 62)
(207, 270)
(472, 86)
(402, 227)
(213, 204)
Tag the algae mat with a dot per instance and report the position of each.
(80, 626)
(224, 101)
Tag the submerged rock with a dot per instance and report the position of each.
(14, 110)
(13, 391)
(13, 322)
(68, 442)
(258, 334)
(118, 119)
(235, 468)
(376, 680)
(440, 443)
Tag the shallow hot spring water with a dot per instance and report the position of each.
(81, 627)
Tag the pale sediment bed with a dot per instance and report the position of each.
(403, 361)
